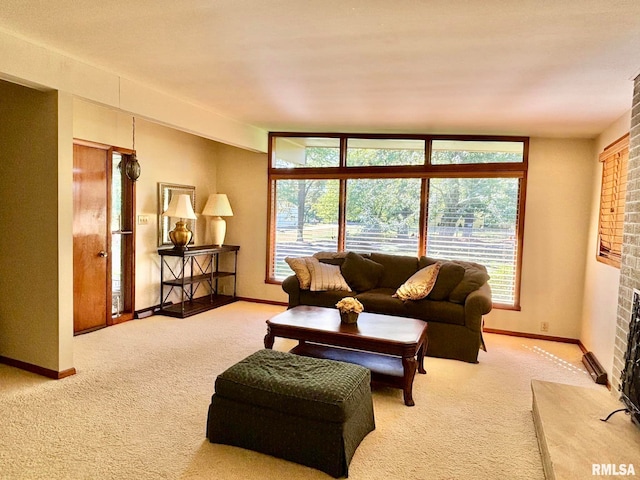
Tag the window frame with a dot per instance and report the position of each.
(618, 150)
(424, 172)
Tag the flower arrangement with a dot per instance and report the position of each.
(349, 309)
(350, 304)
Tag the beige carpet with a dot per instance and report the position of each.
(137, 409)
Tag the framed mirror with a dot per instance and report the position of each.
(166, 224)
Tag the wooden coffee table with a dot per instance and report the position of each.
(391, 347)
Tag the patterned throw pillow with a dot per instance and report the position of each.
(299, 267)
(325, 276)
(419, 284)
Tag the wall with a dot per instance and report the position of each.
(166, 155)
(242, 175)
(600, 300)
(630, 265)
(30, 329)
(555, 239)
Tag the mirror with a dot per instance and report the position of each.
(166, 224)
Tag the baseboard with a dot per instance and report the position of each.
(149, 311)
(535, 336)
(582, 347)
(266, 302)
(45, 372)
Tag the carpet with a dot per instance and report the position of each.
(137, 408)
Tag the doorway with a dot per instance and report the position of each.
(103, 237)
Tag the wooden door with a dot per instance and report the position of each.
(90, 238)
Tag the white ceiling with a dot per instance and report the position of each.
(531, 67)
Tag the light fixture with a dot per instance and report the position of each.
(218, 206)
(132, 166)
(180, 207)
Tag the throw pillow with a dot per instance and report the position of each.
(449, 277)
(397, 269)
(361, 273)
(475, 275)
(325, 276)
(419, 284)
(299, 267)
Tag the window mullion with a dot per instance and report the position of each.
(342, 215)
(424, 216)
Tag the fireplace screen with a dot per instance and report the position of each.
(630, 378)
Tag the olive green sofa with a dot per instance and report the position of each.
(454, 308)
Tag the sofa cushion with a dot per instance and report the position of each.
(397, 269)
(380, 300)
(332, 261)
(299, 267)
(361, 273)
(432, 311)
(325, 276)
(323, 299)
(475, 275)
(420, 284)
(330, 255)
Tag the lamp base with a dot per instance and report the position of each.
(218, 230)
(180, 236)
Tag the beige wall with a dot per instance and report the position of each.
(242, 175)
(65, 231)
(600, 301)
(30, 324)
(166, 155)
(558, 207)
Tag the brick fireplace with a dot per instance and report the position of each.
(630, 265)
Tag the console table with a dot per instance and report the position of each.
(185, 270)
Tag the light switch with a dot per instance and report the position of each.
(143, 219)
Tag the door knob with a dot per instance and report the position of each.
(103, 254)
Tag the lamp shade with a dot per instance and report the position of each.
(218, 206)
(180, 207)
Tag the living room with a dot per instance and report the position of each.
(182, 142)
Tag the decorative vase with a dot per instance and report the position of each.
(180, 236)
(349, 317)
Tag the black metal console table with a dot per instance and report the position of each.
(186, 270)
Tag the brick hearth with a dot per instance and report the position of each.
(571, 436)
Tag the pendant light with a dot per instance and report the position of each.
(132, 167)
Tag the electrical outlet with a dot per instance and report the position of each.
(544, 326)
(143, 219)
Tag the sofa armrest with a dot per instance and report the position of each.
(477, 304)
(291, 286)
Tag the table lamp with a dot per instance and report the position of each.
(180, 207)
(218, 206)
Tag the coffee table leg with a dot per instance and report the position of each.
(421, 360)
(269, 339)
(409, 365)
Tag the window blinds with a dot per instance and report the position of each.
(612, 200)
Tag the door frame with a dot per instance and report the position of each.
(129, 223)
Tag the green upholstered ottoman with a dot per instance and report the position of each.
(307, 410)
